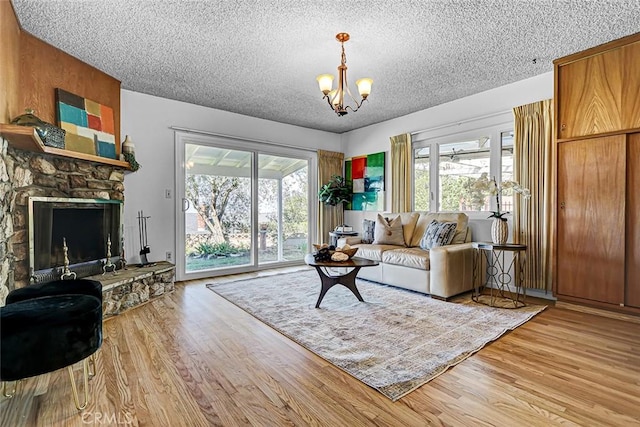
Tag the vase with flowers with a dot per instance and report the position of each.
(500, 227)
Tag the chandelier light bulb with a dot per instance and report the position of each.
(325, 81)
(364, 87)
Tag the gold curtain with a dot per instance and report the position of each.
(329, 217)
(401, 173)
(533, 169)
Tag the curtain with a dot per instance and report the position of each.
(533, 169)
(401, 173)
(329, 217)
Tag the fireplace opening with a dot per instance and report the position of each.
(85, 224)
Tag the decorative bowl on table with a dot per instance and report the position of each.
(325, 252)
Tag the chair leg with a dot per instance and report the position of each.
(85, 375)
(92, 365)
(12, 392)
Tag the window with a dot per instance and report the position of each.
(422, 192)
(447, 167)
(460, 165)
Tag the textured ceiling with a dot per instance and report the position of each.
(260, 58)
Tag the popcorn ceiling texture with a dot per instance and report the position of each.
(260, 58)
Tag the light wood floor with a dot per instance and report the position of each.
(194, 359)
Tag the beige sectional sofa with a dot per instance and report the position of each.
(442, 271)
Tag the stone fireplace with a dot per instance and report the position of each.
(27, 177)
(25, 174)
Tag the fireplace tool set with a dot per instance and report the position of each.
(144, 245)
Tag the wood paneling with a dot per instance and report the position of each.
(9, 63)
(43, 68)
(194, 359)
(591, 219)
(631, 86)
(633, 221)
(589, 95)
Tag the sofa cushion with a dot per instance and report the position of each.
(407, 257)
(438, 234)
(461, 219)
(373, 252)
(368, 230)
(389, 232)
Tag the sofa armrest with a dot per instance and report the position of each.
(350, 240)
(451, 269)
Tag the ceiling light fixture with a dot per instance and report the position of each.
(336, 97)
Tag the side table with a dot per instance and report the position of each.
(335, 235)
(501, 272)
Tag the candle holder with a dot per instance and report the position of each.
(66, 273)
(108, 265)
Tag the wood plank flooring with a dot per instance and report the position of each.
(194, 359)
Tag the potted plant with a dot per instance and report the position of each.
(335, 191)
(499, 227)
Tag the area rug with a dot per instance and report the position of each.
(395, 341)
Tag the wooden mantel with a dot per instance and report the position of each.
(26, 138)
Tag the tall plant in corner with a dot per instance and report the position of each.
(335, 192)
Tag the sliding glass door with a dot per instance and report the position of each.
(283, 200)
(242, 208)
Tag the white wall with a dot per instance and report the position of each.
(451, 117)
(146, 119)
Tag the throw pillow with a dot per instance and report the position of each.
(438, 234)
(368, 230)
(388, 232)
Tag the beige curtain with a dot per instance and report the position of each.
(329, 217)
(401, 173)
(533, 169)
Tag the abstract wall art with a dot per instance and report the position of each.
(90, 126)
(366, 176)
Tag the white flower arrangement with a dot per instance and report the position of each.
(491, 186)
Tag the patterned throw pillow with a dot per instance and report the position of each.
(438, 234)
(389, 232)
(368, 229)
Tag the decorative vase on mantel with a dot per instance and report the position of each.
(499, 231)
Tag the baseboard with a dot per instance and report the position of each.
(598, 311)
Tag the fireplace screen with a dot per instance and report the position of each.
(85, 224)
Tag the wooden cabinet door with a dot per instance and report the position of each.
(633, 221)
(591, 219)
(631, 85)
(589, 93)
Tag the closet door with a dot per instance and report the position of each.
(591, 219)
(633, 221)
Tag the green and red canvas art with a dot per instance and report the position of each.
(90, 126)
(365, 175)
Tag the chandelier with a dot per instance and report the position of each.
(336, 97)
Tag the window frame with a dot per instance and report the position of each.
(450, 134)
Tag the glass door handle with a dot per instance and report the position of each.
(186, 204)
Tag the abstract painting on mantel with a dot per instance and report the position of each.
(90, 126)
(366, 176)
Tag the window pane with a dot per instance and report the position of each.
(460, 165)
(282, 208)
(422, 193)
(218, 221)
(507, 169)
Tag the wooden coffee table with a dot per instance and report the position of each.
(347, 280)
